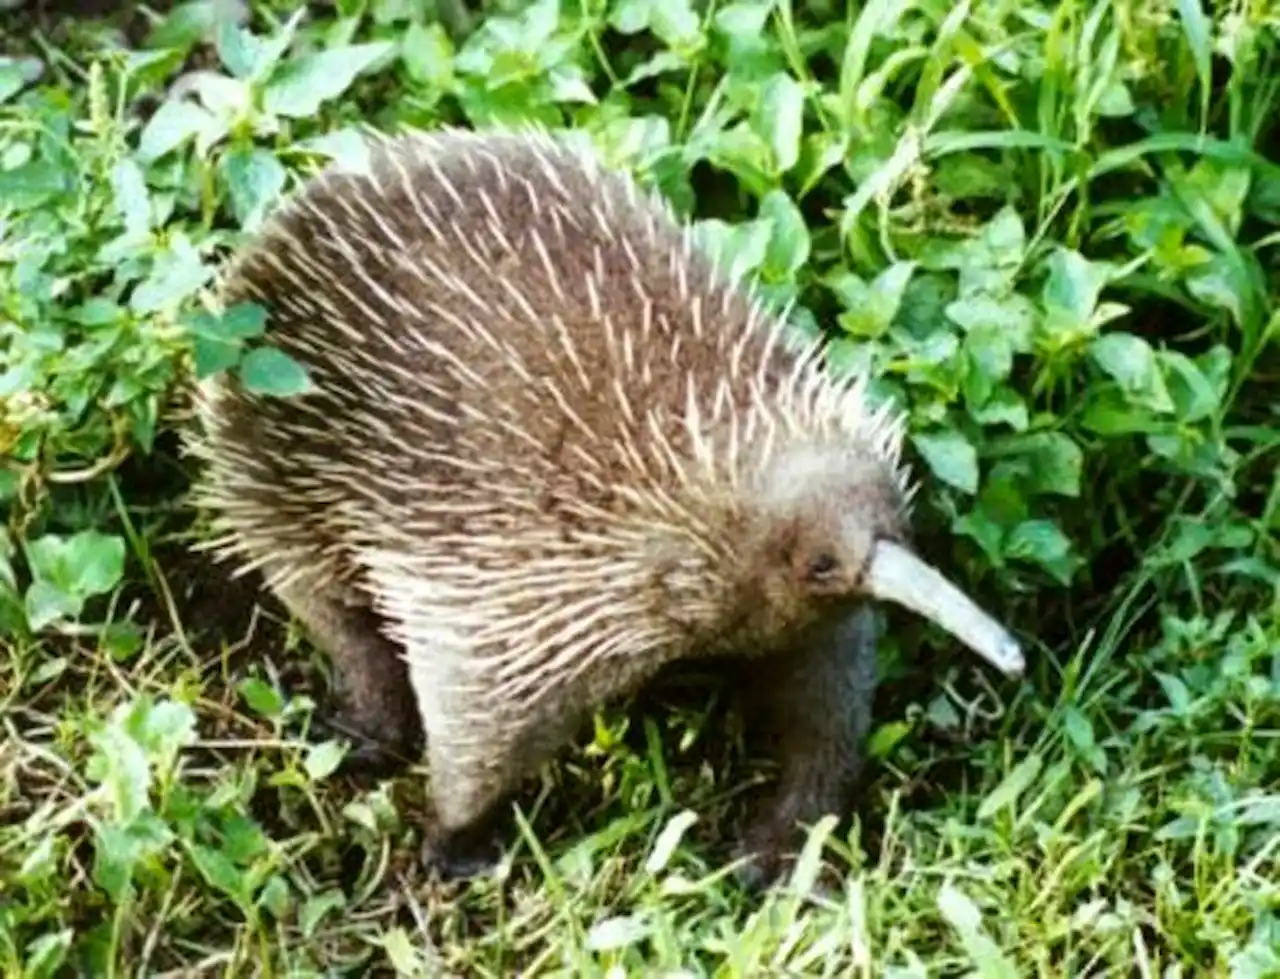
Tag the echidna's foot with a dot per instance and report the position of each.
(767, 849)
(372, 752)
(757, 871)
(462, 854)
(373, 704)
(815, 705)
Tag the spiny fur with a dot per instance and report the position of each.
(538, 401)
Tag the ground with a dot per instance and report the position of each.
(1050, 230)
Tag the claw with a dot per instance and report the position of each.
(367, 755)
(457, 857)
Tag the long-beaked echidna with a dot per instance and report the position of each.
(550, 448)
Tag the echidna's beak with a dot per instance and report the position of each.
(899, 576)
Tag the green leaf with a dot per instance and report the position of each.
(217, 871)
(1004, 238)
(167, 727)
(886, 737)
(1220, 284)
(640, 141)
(121, 767)
(668, 840)
(300, 87)
(178, 273)
(97, 311)
(1131, 362)
(871, 309)
(96, 560)
(243, 839)
(46, 954)
(1000, 243)
(132, 199)
(252, 58)
(346, 147)
(1115, 100)
(1193, 394)
(175, 122)
(1198, 30)
(1012, 317)
(990, 356)
(317, 906)
(963, 915)
(1000, 506)
(988, 261)
(676, 23)
(268, 370)
(46, 555)
(30, 185)
(46, 603)
(739, 248)
(255, 179)
(68, 570)
(617, 932)
(1011, 786)
(748, 18)
(1072, 290)
(237, 49)
(427, 53)
(630, 16)
(323, 759)
(1079, 729)
(121, 640)
(243, 321)
(570, 84)
(212, 356)
(951, 457)
(119, 848)
(971, 177)
(1055, 463)
(403, 954)
(218, 340)
(780, 119)
(115, 855)
(1108, 413)
(1004, 407)
(741, 152)
(1179, 696)
(1042, 543)
(275, 896)
(789, 235)
(11, 79)
(41, 862)
(185, 26)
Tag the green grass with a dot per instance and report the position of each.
(1052, 231)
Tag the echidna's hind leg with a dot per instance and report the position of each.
(815, 704)
(375, 705)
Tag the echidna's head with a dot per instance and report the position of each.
(825, 527)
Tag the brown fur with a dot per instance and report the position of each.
(455, 442)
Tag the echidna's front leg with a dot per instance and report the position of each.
(815, 704)
(479, 752)
(375, 705)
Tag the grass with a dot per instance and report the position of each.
(1051, 230)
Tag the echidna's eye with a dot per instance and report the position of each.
(822, 566)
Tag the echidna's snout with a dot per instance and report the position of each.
(843, 515)
(897, 575)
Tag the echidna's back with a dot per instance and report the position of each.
(494, 327)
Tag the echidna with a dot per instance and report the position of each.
(552, 446)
